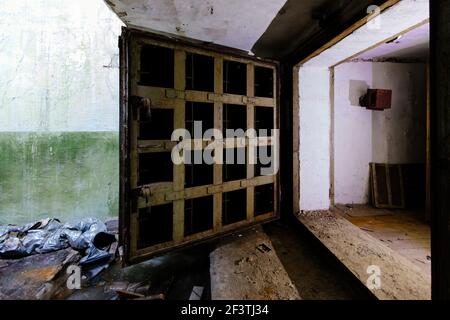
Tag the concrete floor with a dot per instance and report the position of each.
(174, 273)
(315, 272)
(403, 231)
(368, 258)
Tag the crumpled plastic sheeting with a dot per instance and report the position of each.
(50, 235)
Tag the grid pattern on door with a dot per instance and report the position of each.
(173, 205)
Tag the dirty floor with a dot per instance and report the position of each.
(315, 273)
(302, 262)
(368, 258)
(401, 230)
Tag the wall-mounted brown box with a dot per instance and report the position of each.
(376, 99)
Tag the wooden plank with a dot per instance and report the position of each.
(428, 150)
(124, 159)
(296, 140)
(218, 124)
(382, 42)
(250, 150)
(402, 188)
(388, 184)
(192, 47)
(162, 194)
(152, 146)
(331, 137)
(178, 170)
(134, 164)
(375, 184)
(373, 171)
(134, 233)
(148, 252)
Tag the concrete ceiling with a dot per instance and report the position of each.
(274, 29)
(393, 21)
(301, 26)
(233, 23)
(414, 44)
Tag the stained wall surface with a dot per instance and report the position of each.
(59, 110)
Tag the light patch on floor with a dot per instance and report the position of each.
(401, 230)
(248, 268)
(360, 252)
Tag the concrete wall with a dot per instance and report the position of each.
(352, 133)
(59, 106)
(314, 138)
(362, 136)
(398, 134)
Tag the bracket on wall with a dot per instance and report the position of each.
(376, 99)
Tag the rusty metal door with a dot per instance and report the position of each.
(168, 85)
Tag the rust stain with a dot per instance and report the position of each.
(41, 274)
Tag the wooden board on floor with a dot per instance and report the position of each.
(36, 277)
(242, 271)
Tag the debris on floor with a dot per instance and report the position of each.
(89, 235)
(34, 258)
(247, 268)
(167, 277)
(196, 293)
(38, 276)
(138, 291)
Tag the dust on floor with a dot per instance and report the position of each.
(309, 270)
(360, 253)
(403, 231)
(316, 273)
(247, 267)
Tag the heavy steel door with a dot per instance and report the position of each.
(168, 85)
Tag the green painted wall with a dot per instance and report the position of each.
(59, 110)
(65, 175)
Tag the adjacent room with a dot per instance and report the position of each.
(380, 146)
(366, 125)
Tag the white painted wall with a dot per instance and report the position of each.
(314, 138)
(58, 66)
(352, 133)
(361, 136)
(398, 134)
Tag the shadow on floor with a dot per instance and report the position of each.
(313, 269)
(316, 273)
(175, 274)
